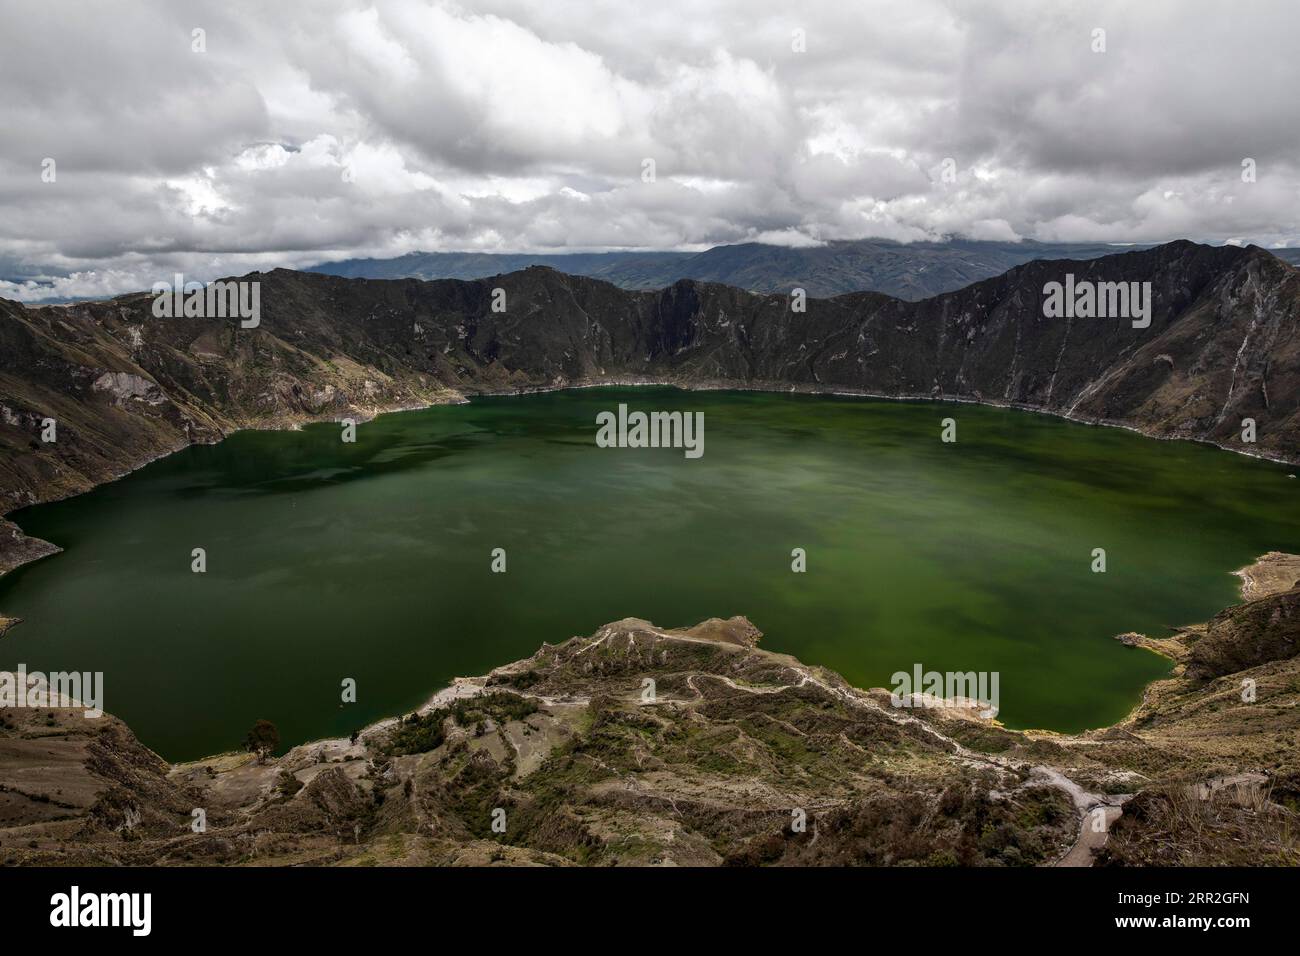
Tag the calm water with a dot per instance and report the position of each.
(371, 561)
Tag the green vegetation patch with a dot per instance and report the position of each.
(420, 733)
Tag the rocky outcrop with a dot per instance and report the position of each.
(642, 745)
(1270, 573)
(1247, 636)
(737, 756)
(17, 548)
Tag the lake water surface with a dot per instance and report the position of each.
(372, 560)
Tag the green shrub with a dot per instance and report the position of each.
(420, 733)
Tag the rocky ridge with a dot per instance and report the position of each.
(739, 756)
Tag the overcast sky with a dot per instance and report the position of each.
(321, 129)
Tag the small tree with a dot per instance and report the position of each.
(262, 740)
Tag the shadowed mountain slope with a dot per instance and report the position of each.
(125, 387)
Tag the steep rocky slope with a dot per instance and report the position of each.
(125, 387)
(735, 756)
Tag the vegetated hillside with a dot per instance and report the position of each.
(905, 270)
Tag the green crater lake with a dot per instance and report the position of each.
(371, 560)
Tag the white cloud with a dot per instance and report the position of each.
(314, 129)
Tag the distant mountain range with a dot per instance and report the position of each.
(908, 271)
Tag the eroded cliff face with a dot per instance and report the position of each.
(125, 387)
(738, 756)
